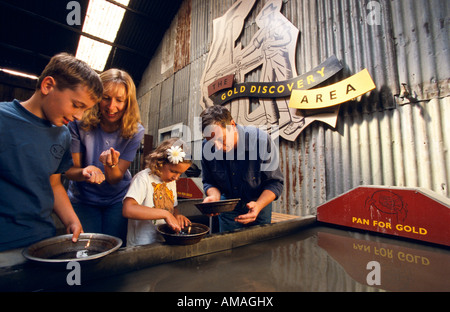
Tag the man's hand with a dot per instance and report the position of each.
(251, 215)
(210, 199)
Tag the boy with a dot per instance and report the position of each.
(35, 150)
(239, 162)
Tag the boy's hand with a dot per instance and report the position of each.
(76, 229)
(93, 174)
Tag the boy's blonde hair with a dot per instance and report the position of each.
(131, 118)
(70, 73)
(159, 157)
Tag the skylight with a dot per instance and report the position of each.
(102, 20)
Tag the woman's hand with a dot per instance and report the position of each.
(109, 157)
(114, 167)
(93, 175)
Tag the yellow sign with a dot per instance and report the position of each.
(334, 94)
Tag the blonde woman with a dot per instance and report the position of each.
(104, 143)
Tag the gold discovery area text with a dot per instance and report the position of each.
(230, 301)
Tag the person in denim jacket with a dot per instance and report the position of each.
(239, 162)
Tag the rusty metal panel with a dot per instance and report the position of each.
(200, 21)
(194, 109)
(183, 39)
(402, 147)
(339, 158)
(181, 96)
(144, 107)
(166, 103)
(303, 166)
(377, 141)
(421, 32)
(397, 135)
(153, 115)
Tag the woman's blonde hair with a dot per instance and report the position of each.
(159, 157)
(131, 118)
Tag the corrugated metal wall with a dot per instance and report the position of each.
(395, 135)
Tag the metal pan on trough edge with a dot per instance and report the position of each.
(188, 236)
(218, 206)
(61, 249)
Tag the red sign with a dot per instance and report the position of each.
(413, 213)
(220, 84)
(187, 188)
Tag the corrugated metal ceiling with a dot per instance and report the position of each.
(32, 31)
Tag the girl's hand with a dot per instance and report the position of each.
(182, 221)
(93, 174)
(172, 222)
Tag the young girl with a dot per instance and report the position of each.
(152, 196)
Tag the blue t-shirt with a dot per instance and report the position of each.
(31, 150)
(91, 144)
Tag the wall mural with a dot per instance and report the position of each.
(270, 101)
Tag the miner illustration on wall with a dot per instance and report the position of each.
(268, 58)
(226, 30)
(275, 42)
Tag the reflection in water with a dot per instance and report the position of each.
(316, 259)
(399, 268)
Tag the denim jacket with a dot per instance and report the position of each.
(245, 172)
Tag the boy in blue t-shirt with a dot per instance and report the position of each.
(35, 150)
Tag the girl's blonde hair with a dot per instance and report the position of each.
(159, 157)
(131, 118)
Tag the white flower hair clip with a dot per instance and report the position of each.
(175, 154)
